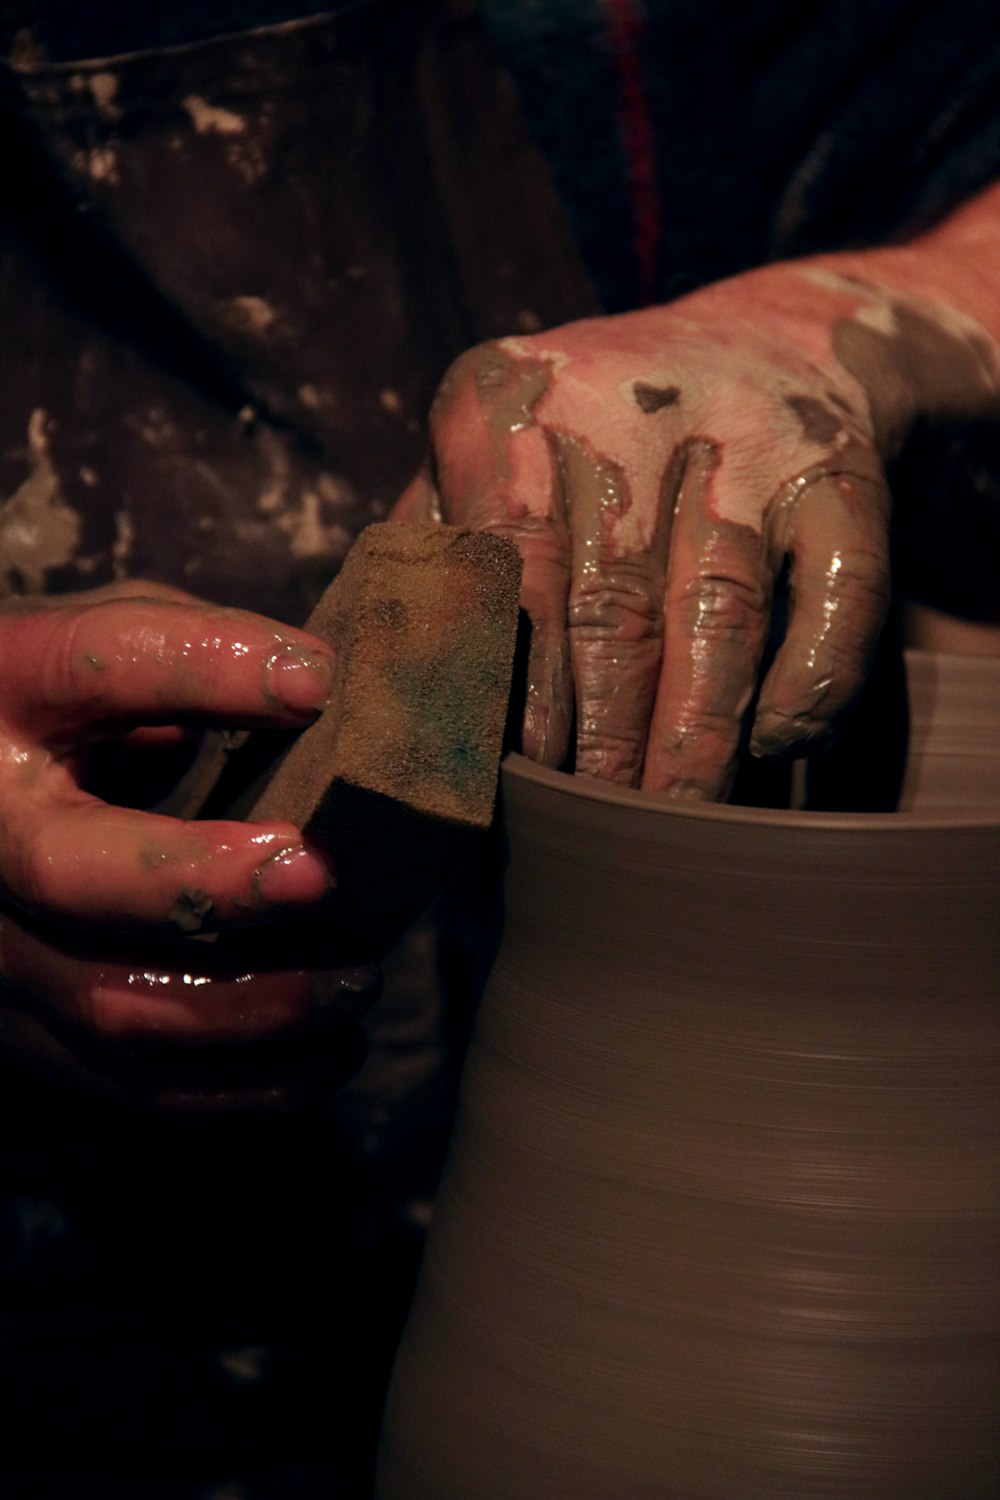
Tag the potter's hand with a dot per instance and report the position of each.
(660, 470)
(99, 901)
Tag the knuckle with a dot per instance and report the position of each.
(621, 603)
(482, 366)
(723, 604)
(544, 548)
(704, 731)
(530, 533)
(612, 756)
(702, 749)
(595, 738)
(71, 671)
(864, 576)
(475, 363)
(494, 374)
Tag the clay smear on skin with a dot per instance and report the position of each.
(511, 389)
(652, 398)
(508, 384)
(721, 614)
(731, 566)
(615, 613)
(596, 493)
(909, 355)
(739, 397)
(191, 909)
(820, 423)
(925, 365)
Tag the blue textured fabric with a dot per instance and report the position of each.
(781, 127)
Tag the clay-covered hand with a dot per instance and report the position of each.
(659, 472)
(100, 903)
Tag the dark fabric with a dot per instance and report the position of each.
(779, 127)
(231, 276)
(67, 30)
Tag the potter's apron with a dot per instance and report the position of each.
(231, 275)
(231, 278)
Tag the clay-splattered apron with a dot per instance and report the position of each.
(228, 302)
(231, 275)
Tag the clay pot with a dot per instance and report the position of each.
(720, 1218)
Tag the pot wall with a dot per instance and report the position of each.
(721, 1212)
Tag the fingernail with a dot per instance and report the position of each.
(686, 790)
(345, 994)
(294, 876)
(774, 733)
(299, 678)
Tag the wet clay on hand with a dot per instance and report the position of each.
(665, 472)
(655, 471)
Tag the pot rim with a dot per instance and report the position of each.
(519, 768)
(919, 663)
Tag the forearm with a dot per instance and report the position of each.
(942, 301)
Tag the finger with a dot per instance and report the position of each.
(80, 860)
(155, 661)
(158, 737)
(837, 537)
(166, 998)
(716, 612)
(269, 1075)
(548, 702)
(498, 472)
(615, 616)
(125, 588)
(420, 500)
(185, 992)
(266, 1074)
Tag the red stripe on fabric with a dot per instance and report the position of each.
(626, 24)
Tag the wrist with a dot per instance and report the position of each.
(923, 336)
(952, 265)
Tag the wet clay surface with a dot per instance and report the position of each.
(720, 1217)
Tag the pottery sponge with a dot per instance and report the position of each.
(400, 770)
